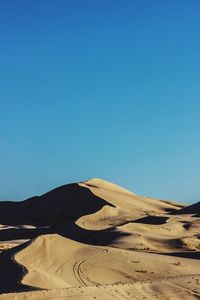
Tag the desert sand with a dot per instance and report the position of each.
(96, 240)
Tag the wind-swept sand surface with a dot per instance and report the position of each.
(96, 240)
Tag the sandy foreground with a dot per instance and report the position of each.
(96, 240)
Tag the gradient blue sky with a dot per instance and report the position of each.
(107, 89)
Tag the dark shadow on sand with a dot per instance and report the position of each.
(152, 220)
(188, 254)
(65, 203)
(11, 272)
(193, 209)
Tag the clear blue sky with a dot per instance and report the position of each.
(107, 89)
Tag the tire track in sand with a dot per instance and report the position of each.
(77, 268)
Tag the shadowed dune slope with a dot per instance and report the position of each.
(191, 209)
(65, 203)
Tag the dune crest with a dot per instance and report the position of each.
(100, 183)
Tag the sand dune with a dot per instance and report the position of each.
(96, 240)
(192, 209)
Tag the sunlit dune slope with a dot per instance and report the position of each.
(56, 262)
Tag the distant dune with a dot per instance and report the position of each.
(191, 209)
(96, 240)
